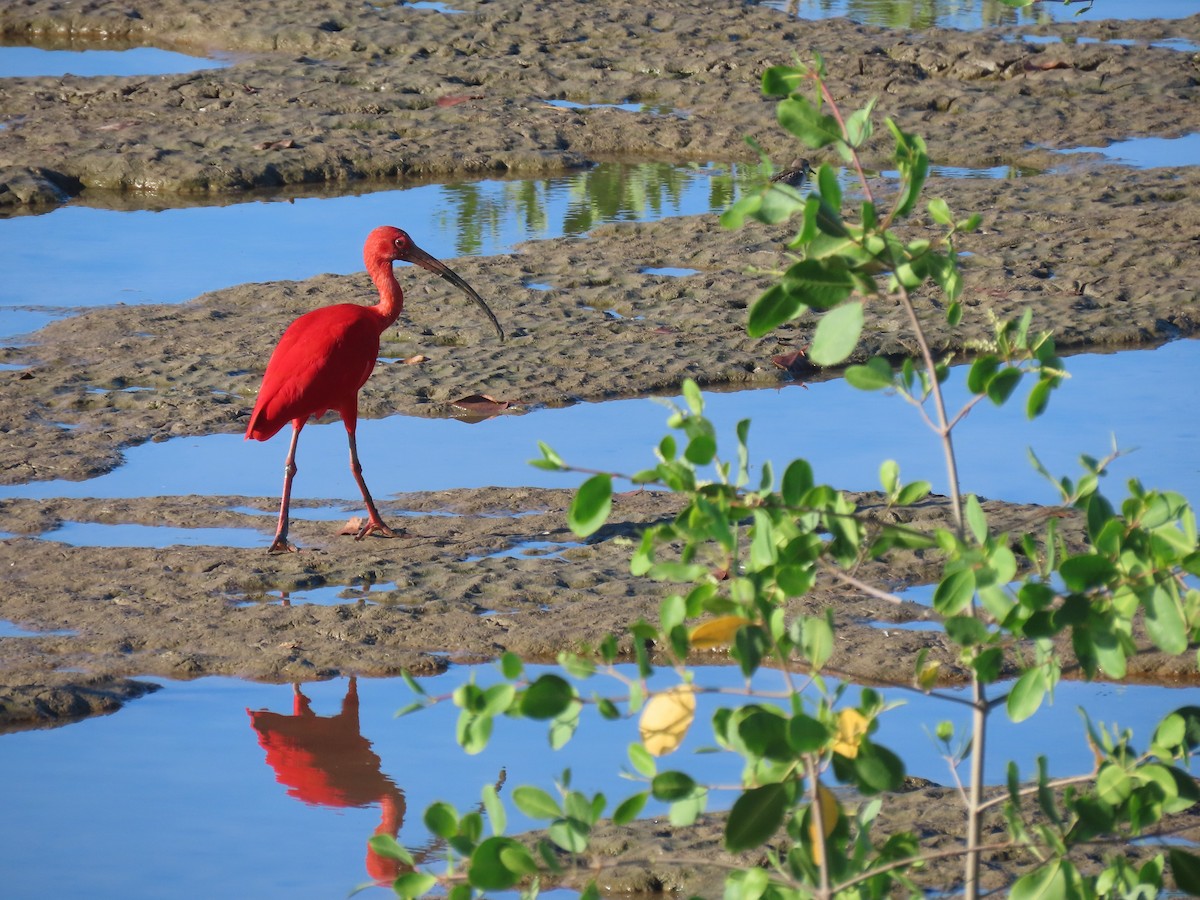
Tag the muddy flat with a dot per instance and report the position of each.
(361, 97)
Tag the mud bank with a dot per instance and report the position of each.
(361, 97)
(345, 91)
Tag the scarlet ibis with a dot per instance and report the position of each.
(325, 357)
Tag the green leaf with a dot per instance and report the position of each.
(536, 803)
(819, 283)
(877, 769)
(756, 815)
(779, 81)
(672, 786)
(776, 306)
(570, 834)
(411, 884)
(797, 481)
(1164, 620)
(442, 820)
(629, 808)
(837, 334)
(495, 809)
(511, 665)
(954, 593)
(876, 375)
(550, 460)
(491, 867)
(1185, 867)
(388, 847)
(693, 397)
(1001, 386)
(976, 520)
(799, 116)
(1026, 695)
(642, 761)
(806, 734)
(591, 506)
(1086, 571)
(547, 697)
(940, 212)
(1047, 883)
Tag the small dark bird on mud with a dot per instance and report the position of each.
(794, 175)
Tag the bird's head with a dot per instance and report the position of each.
(387, 244)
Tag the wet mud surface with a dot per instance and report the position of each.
(361, 96)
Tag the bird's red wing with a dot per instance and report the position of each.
(320, 363)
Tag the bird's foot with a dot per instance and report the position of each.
(281, 545)
(376, 526)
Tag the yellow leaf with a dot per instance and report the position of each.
(717, 632)
(927, 677)
(851, 726)
(829, 819)
(666, 719)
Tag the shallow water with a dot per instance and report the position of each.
(971, 14)
(1150, 152)
(143, 804)
(132, 257)
(838, 429)
(34, 62)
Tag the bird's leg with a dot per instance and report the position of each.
(280, 544)
(374, 523)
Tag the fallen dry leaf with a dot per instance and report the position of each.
(286, 144)
(481, 405)
(793, 362)
(455, 99)
(416, 360)
(1046, 65)
(353, 526)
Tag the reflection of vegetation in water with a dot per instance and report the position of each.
(486, 214)
(917, 13)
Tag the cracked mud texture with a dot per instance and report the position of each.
(360, 98)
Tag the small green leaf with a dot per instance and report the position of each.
(776, 306)
(799, 116)
(591, 506)
(797, 481)
(489, 868)
(819, 283)
(536, 803)
(1164, 620)
(756, 815)
(547, 697)
(1026, 695)
(442, 820)
(1047, 883)
(837, 334)
(672, 786)
(876, 375)
(1001, 386)
(1185, 867)
(976, 520)
(388, 847)
(642, 761)
(1086, 571)
(629, 808)
(940, 212)
(411, 884)
(954, 593)
(495, 809)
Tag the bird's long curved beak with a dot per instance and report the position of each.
(419, 257)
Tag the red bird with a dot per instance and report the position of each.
(325, 357)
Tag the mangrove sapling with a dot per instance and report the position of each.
(743, 553)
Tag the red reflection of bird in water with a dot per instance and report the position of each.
(325, 760)
(325, 357)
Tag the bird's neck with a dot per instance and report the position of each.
(391, 298)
